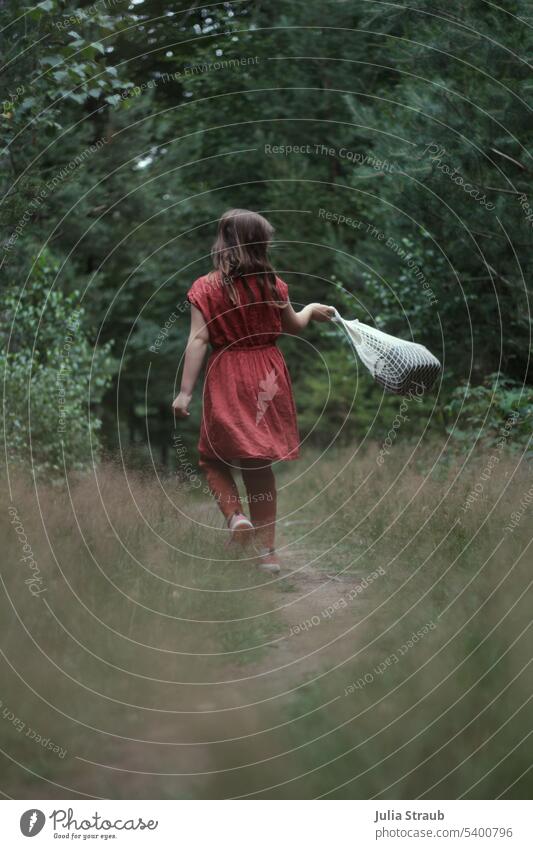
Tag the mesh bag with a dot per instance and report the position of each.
(403, 368)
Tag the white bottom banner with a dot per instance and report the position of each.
(264, 824)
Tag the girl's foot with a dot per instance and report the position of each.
(268, 561)
(241, 528)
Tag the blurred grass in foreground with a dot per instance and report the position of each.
(166, 669)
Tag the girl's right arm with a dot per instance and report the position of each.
(194, 358)
(293, 322)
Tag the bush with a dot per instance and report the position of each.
(52, 376)
(500, 408)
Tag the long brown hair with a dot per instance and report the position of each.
(240, 250)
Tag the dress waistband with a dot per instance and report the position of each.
(243, 347)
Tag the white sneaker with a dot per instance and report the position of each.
(267, 561)
(241, 529)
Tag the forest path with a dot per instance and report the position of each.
(235, 725)
(225, 729)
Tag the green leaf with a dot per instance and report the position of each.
(27, 103)
(77, 96)
(79, 70)
(52, 60)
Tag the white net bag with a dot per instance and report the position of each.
(401, 367)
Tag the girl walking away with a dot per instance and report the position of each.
(249, 418)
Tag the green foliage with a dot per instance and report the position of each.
(51, 72)
(52, 376)
(500, 410)
(126, 130)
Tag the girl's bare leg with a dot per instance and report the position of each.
(222, 485)
(260, 486)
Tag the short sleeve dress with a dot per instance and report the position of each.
(248, 405)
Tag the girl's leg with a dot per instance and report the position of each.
(260, 486)
(222, 485)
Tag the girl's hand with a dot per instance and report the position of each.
(320, 312)
(180, 405)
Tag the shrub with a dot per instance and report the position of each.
(500, 408)
(52, 375)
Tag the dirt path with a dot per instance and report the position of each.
(188, 755)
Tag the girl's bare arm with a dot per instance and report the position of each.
(194, 358)
(293, 322)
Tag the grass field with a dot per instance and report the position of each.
(391, 658)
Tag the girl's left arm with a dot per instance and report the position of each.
(194, 358)
(293, 322)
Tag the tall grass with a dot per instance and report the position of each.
(167, 666)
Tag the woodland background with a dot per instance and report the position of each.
(390, 145)
(128, 128)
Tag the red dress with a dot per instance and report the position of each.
(248, 406)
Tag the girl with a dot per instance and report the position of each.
(249, 418)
